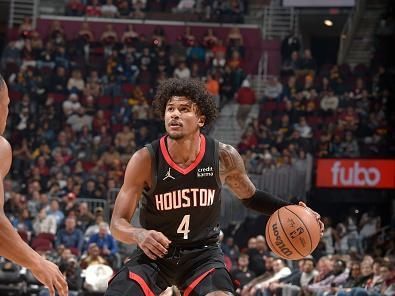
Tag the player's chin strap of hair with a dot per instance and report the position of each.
(264, 202)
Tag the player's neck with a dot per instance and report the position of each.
(184, 151)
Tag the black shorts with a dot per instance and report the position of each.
(194, 271)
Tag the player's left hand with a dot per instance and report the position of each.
(318, 216)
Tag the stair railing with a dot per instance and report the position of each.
(349, 30)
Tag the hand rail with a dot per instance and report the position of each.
(36, 5)
(349, 29)
(11, 14)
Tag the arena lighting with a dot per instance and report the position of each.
(328, 23)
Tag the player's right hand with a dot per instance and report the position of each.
(49, 274)
(153, 243)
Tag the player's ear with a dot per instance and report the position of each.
(202, 120)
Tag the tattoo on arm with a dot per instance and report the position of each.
(232, 170)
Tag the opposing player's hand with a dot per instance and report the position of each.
(322, 227)
(49, 274)
(153, 243)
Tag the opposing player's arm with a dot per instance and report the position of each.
(137, 175)
(233, 174)
(14, 248)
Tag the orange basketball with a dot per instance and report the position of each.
(292, 232)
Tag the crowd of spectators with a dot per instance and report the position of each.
(230, 11)
(355, 257)
(79, 109)
(335, 112)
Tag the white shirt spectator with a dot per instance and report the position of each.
(182, 72)
(109, 9)
(185, 5)
(79, 120)
(71, 105)
(273, 89)
(304, 129)
(45, 224)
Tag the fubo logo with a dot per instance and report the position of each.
(355, 175)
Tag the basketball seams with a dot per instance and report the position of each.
(282, 227)
(307, 229)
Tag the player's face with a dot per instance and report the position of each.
(182, 118)
(4, 101)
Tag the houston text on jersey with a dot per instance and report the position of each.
(185, 198)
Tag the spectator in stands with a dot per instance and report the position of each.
(337, 277)
(93, 9)
(54, 211)
(76, 83)
(212, 86)
(235, 41)
(289, 45)
(138, 9)
(249, 289)
(209, 42)
(106, 242)
(79, 120)
(273, 89)
(241, 273)
(109, 9)
(292, 64)
(109, 38)
(182, 71)
(59, 81)
(130, 36)
(245, 97)
(124, 138)
(26, 27)
(71, 237)
(75, 8)
(349, 147)
(303, 128)
(92, 256)
(279, 270)
(307, 61)
(185, 6)
(84, 216)
(291, 285)
(44, 223)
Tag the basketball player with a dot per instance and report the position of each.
(12, 246)
(180, 177)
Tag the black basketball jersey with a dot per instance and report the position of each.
(184, 203)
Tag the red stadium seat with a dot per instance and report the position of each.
(116, 101)
(42, 244)
(104, 102)
(269, 106)
(14, 95)
(127, 88)
(57, 97)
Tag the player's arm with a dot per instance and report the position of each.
(233, 174)
(137, 175)
(14, 248)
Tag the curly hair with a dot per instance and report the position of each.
(193, 89)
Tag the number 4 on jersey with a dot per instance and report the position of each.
(183, 228)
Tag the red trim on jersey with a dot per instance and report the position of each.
(147, 291)
(196, 282)
(175, 166)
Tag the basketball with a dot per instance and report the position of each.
(292, 232)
